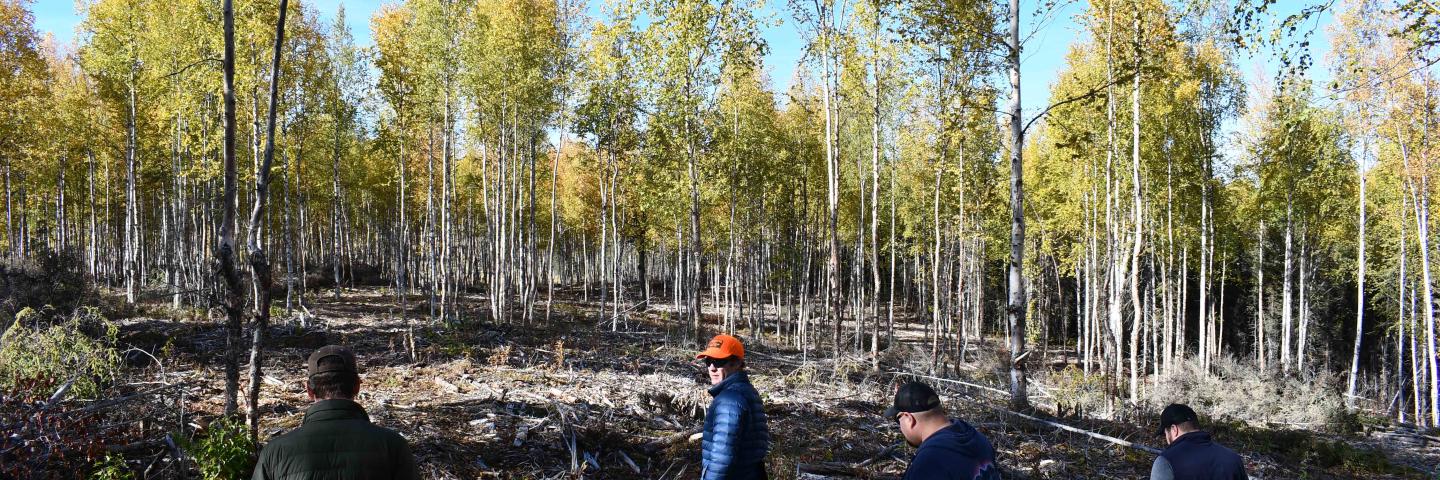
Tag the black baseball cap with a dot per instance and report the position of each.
(913, 397)
(1175, 414)
(346, 364)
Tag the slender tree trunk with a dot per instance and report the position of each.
(1360, 283)
(1400, 310)
(1261, 355)
(225, 244)
(402, 257)
(554, 221)
(935, 288)
(832, 186)
(1136, 213)
(131, 212)
(603, 258)
(259, 263)
(442, 225)
(336, 204)
(430, 260)
(10, 239)
(60, 233)
(875, 199)
(1220, 313)
(697, 248)
(1204, 282)
(1015, 308)
(890, 309)
(289, 234)
(92, 255)
(1285, 274)
(1167, 273)
(1307, 276)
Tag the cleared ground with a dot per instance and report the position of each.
(570, 398)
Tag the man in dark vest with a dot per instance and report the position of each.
(946, 449)
(336, 440)
(1192, 455)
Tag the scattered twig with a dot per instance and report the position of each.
(525, 431)
(60, 392)
(662, 443)
(631, 463)
(157, 361)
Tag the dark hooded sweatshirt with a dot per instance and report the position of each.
(956, 452)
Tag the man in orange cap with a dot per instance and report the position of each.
(736, 437)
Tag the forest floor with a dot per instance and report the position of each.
(570, 398)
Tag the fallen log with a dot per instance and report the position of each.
(662, 443)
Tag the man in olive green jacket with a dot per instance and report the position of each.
(336, 440)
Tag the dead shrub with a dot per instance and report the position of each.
(58, 279)
(1077, 393)
(500, 357)
(559, 355)
(1239, 391)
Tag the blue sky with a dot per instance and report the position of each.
(1042, 62)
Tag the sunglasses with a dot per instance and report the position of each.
(716, 362)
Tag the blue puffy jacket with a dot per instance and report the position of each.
(736, 436)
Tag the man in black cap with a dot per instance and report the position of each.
(946, 449)
(1191, 454)
(336, 440)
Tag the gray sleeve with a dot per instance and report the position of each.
(1161, 470)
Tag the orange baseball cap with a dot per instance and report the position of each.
(723, 346)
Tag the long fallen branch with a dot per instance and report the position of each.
(1001, 392)
(1099, 436)
(956, 382)
(113, 402)
(886, 453)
